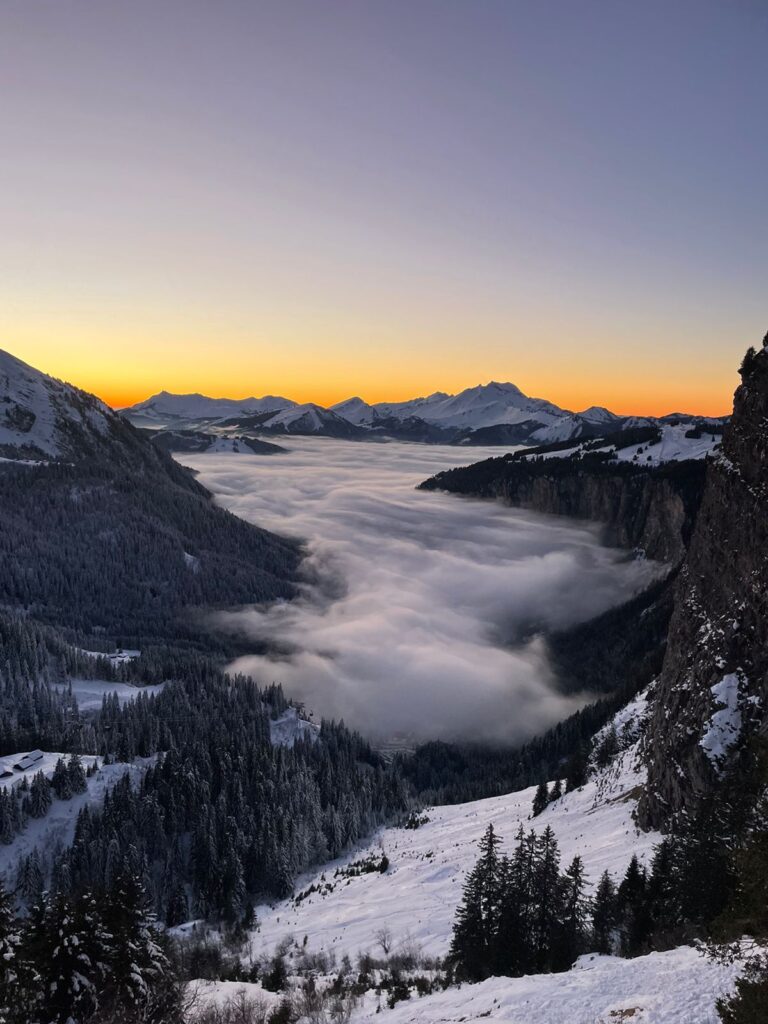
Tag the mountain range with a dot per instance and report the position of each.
(488, 414)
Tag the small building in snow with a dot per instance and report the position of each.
(34, 757)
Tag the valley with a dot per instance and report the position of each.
(419, 616)
(470, 645)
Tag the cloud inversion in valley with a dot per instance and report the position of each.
(419, 610)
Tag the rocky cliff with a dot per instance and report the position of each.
(652, 509)
(713, 687)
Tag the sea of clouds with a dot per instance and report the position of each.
(419, 611)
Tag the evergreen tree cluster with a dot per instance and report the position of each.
(128, 529)
(223, 815)
(90, 958)
(544, 796)
(25, 799)
(520, 914)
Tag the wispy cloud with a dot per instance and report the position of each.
(419, 611)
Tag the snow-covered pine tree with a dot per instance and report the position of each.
(139, 970)
(40, 799)
(10, 942)
(76, 774)
(74, 974)
(60, 781)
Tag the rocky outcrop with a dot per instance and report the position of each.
(713, 686)
(650, 509)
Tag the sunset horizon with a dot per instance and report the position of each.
(626, 398)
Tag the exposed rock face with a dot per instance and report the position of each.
(652, 509)
(714, 683)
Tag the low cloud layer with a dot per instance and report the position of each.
(414, 617)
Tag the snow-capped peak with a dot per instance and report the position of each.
(166, 407)
(41, 417)
(598, 414)
(356, 411)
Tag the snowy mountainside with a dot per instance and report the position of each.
(310, 418)
(290, 727)
(482, 406)
(166, 409)
(357, 411)
(417, 896)
(493, 413)
(51, 833)
(41, 417)
(679, 986)
(671, 443)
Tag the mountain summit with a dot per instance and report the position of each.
(44, 418)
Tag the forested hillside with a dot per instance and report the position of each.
(127, 551)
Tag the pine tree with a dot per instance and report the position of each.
(576, 769)
(547, 893)
(76, 774)
(40, 798)
(473, 946)
(75, 973)
(573, 928)
(37, 943)
(632, 903)
(608, 748)
(10, 942)
(557, 791)
(514, 940)
(139, 968)
(60, 781)
(604, 914)
(540, 799)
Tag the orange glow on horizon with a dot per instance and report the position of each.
(621, 401)
(651, 377)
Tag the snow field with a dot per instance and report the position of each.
(416, 897)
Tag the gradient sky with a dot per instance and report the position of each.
(386, 198)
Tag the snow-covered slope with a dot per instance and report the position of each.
(165, 408)
(673, 446)
(411, 907)
(357, 411)
(417, 896)
(598, 414)
(242, 446)
(482, 406)
(289, 727)
(676, 987)
(310, 418)
(676, 442)
(41, 417)
(57, 828)
(89, 693)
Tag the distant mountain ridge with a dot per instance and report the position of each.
(178, 408)
(487, 414)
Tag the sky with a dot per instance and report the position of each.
(321, 199)
(420, 615)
